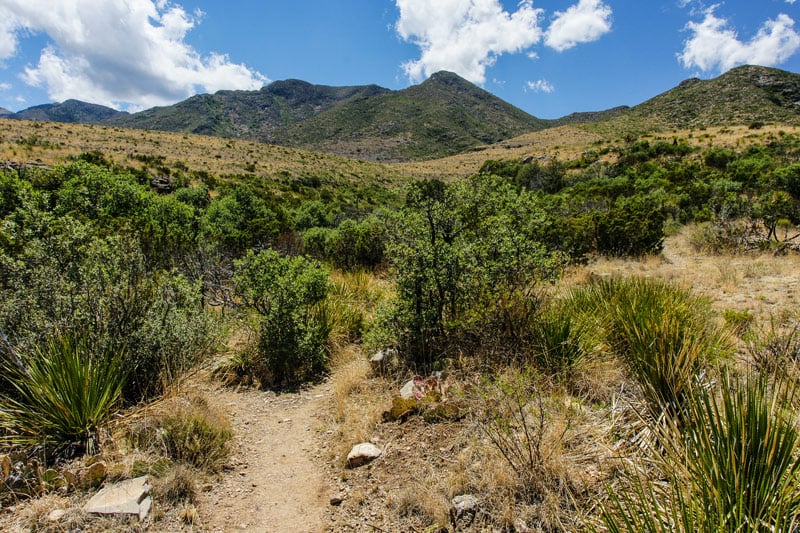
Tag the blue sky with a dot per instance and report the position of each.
(548, 57)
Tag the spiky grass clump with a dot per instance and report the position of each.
(666, 335)
(61, 393)
(731, 464)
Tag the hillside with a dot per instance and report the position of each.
(442, 116)
(742, 96)
(73, 111)
(253, 115)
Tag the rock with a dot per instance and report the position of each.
(336, 500)
(56, 515)
(407, 392)
(463, 507)
(130, 497)
(363, 453)
(384, 360)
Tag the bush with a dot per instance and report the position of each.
(196, 436)
(287, 293)
(665, 335)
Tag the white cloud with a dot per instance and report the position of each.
(467, 36)
(715, 46)
(464, 36)
(5, 86)
(540, 86)
(585, 22)
(129, 53)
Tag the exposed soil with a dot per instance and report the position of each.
(275, 478)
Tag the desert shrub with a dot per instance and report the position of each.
(731, 464)
(287, 292)
(665, 335)
(62, 393)
(178, 487)
(774, 348)
(70, 277)
(632, 226)
(532, 432)
(196, 436)
(469, 267)
(559, 341)
(186, 431)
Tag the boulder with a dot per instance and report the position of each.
(464, 507)
(129, 497)
(363, 453)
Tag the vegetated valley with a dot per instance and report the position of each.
(592, 326)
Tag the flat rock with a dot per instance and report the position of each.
(131, 497)
(407, 392)
(363, 453)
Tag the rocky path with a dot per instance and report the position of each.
(275, 478)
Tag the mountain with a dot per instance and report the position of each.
(69, 111)
(443, 116)
(5, 112)
(252, 115)
(588, 117)
(743, 95)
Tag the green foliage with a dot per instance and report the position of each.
(62, 393)
(633, 226)
(666, 336)
(287, 293)
(730, 465)
(468, 265)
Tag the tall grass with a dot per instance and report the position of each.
(731, 465)
(62, 393)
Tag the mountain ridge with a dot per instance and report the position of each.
(442, 116)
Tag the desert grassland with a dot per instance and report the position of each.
(546, 470)
(570, 143)
(51, 143)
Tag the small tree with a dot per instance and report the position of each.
(287, 293)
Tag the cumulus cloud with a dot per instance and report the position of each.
(5, 86)
(464, 36)
(584, 22)
(714, 45)
(120, 53)
(540, 86)
(467, 36)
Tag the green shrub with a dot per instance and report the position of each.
(62, 393)
(287, 293)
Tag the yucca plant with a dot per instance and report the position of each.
(61, 393)
(731, 464)
(665, 335)
(559, 342)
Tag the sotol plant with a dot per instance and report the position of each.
(61, 393)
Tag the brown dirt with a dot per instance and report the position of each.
(275, 479)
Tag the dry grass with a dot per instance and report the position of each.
(51, 143)
(763, 284)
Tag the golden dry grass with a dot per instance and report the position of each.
(51, 143)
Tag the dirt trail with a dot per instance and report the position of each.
(275, 478)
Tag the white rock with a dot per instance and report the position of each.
(131, 496)
(363, 453)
